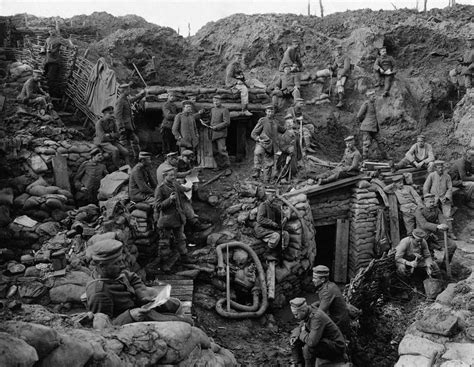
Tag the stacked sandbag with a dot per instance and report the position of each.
(144, 237)
(76, 153)
(363, 215)
(331, 205)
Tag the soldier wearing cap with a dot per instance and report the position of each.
(169, 209)
(170, 110)
(88, 176)
(287, 85)
(384, 68)
(119, 293)
(317, 336)
(331, 300)
(271, 222)
(220, 121)
(347, 167)
(462, 176)
(124, 119)
(292, 57)
(265, 133)
(439, 183)
(430, 219)
(420, 155)
(302, 123)
(288, 142)
(32, 93)
(369, 126)
(235, 80)
(142, 183)
(52, 60)
(184, 128)
(107, 137)
(413, 252)
(171, 161)
(408, 200)
(466, 68)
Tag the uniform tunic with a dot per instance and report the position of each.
(141, 183)
(220, 120)
(384, 62)
(419, 154)
(351, 159)
(368, 116)
(290, 57)
(439, 185)
(30, 90)
(105, 131)
(123, 113)
(333, 304)
(89, 175)
(185, 130)
(408, 249)
(268, 219)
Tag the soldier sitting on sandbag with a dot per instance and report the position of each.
(33, 94)
(287, 86)
(292, 56)
(118, 294)
(88, 176)
(142, 182)
(271, 221)
(420, 155)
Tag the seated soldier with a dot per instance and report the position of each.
(462, 176)
(331, 300)
(287, 161)
(420, 155)
(33, 94)
(292, 57)
(288, 85)
(317, 336)
(88, 176)
(271, 221)
(235, 79)
(142, 183)
(347, 167)
(412, 252)
(384, 67)
(107, 137)
(119, 293)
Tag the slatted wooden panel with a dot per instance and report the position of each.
(181, 288)
(342, 251)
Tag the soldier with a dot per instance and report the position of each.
(420, 155)
(462, 176)
(33, 94)
(287, 85)
(412, 252)
(467, 66)
(288, 142)
(52, 61)
(439, 183)
(265, 133)
(347, 167)
(88, 176)
(292, 57)
(169, 113)
(369, 126)
(302, 124)
(235, 79)
(171, 161)
(430, 219)
(220, 121)
(384, 69)
(106, 137)
(119, 293)
(185, 129)
(317, 336)
(124, 119)
(271, 221)
(331, 300)
(408, 200)
(141, 182)
(169, 209)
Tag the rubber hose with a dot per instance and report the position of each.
(261, 277)
(238, 306)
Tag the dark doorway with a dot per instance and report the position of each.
(325, 246)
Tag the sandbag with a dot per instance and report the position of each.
(43, 190)
(15, 352)
(110, 185)
(100, 237)
(5, 218)
(20, 200)
(67, 293)
(6, 196)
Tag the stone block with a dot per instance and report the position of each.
(413, 361)
(439, 323)
(460, 351)
(416, 345)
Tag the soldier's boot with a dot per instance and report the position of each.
(245, 110)
(341, 98)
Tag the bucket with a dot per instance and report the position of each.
(433, 287)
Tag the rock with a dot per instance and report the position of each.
(49, 228)
(16, 352)
(71, 353)
(454, 363)
(438, 323)
(5, 218)
(416, 345)
(6, 196)
(460, 351)
(44, 339)
(213, 200)
(234, 209)
(413, 361)
(446, 296)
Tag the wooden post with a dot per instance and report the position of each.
(271, 279)
(341, 251)
(227, 280)
(61, 177)
(394, 223)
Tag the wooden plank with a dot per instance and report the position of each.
(319, 189)
(342, 251)
(394, 224)
(61, 175)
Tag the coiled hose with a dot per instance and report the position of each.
(246, 311)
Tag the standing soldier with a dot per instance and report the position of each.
(292, 57)
(462, 176)
(220, 121)
(88, 176)
(265, 133)
(124, 119)
(52, 61)
(169, 113)
(235, 79)
(302, 125)
(142, 183)
(384, 69)
(106, 137)
(369, 126)
(185, 129)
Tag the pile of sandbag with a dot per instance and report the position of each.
(144, 237)
(363, 215)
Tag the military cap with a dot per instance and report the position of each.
(418, 233)
(217, 96)
(125, 85)
(421, 137)
(172, 154)
(37, 71)
(105, 250)
(288, 116)
(438, 163)
(108, 109)
(286, 66)
(349, 138)
(428, 195)
(168, 169)
(270, 107)
(298, 302)
(299, 99)
(270, 190)
(186, 103)
(143, 155)
(397, 178)
(95, 151)
(321, 270)
(370, 92)
(187, 152)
